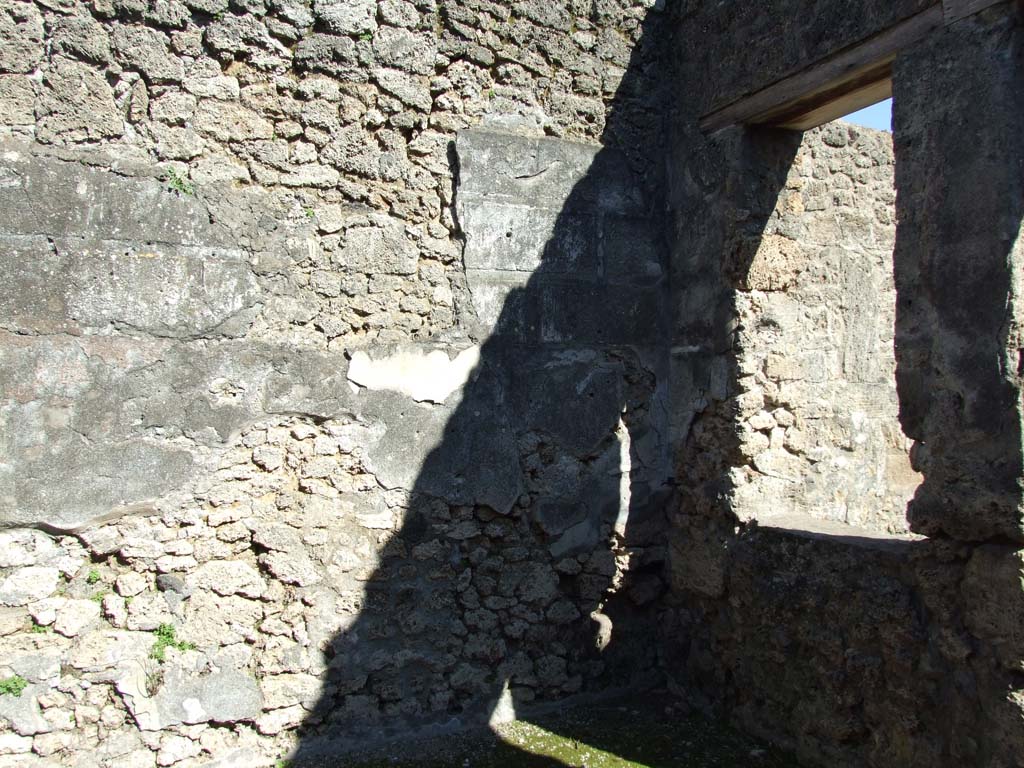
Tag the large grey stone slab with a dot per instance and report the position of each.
(463, 452)
(523, 238)
(501, 300)
(572, 217)
(72, 284)
(575, 398)
(550, 173)
(632, 250)
(92, 427)
(46, 196)
(34, 300)
(580, 313)
(225, 696)
(162, 290)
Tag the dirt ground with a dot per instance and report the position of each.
(652, 732)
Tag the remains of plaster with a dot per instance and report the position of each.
(424, 376)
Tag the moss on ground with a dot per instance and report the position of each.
(648, 734)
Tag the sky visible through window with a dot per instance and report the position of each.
(877, 116)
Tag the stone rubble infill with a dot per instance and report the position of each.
(240, 200)
(245, 667)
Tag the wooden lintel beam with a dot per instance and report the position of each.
(846, 81)
(828, 79)
(850, 101)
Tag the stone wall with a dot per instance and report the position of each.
(741, 47)
(783, 362)
(853, 649)
(852, 646)
(816, 400)
(324, 419)
(364, 364)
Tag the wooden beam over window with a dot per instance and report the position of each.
(849, 80)
(846, 80)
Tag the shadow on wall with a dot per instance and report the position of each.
(528, 564)
(960, 206)
(723, 200)
(825, 643)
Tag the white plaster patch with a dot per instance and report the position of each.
(194, 712)
(426, 377)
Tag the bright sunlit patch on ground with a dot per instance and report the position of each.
(650, 732)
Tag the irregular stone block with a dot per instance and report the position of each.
(82, 37)
(212, 621)
(332, 54)
(146, 50)
(75, 616)
(76, 104)
(291, 568)
(22, 714)
(21, 36)
(229, 121)
(164, 290)
(174, 749)
(407, 88)
(406, 50)
(17, 100)
(290, 689)
(347, 17)
(13, 744)
(228, 577)
(101, 654)
(26, 585)
(378, 250)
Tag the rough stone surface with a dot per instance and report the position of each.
(808, 384)
(365, 364)
(864, 616)
(806, 631)
(959, 255)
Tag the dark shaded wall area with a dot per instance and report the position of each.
(856, 649)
